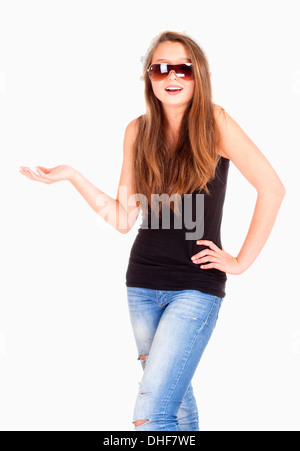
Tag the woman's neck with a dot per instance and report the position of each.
(174, 117)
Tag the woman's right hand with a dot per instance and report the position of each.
(49, 175)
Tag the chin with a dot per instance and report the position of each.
(179, 102)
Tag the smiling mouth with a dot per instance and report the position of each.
(173, 89)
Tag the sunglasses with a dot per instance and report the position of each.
(159, 72)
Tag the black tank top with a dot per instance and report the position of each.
(160, 256)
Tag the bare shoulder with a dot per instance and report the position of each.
(218, 110)
(221, 121)
(238, 147)
(132, 130)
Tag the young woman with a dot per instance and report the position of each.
(179, 150)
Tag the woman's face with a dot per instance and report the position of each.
(172, 53)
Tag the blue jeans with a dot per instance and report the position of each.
(171, 330)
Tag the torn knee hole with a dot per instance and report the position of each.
(143, 357)
(139, 422)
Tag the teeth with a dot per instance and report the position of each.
(174, 89)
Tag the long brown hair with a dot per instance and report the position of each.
(194, 158)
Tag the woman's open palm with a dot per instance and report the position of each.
(48, 175)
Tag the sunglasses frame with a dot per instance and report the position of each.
(173, 67)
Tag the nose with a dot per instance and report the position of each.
(172, 75)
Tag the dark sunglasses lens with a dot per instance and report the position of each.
(184, 71)
(158, 72)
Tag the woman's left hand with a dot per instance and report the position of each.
(218, 259)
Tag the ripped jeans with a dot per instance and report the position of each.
(171, 330)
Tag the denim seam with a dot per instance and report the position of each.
(192, 345)
(212, 307)
(164, 302)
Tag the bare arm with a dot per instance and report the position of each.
(119, 213)
(255, 167)
(263, 219)
(105, 206)
(122, 212)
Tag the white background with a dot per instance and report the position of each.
(69, 85)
